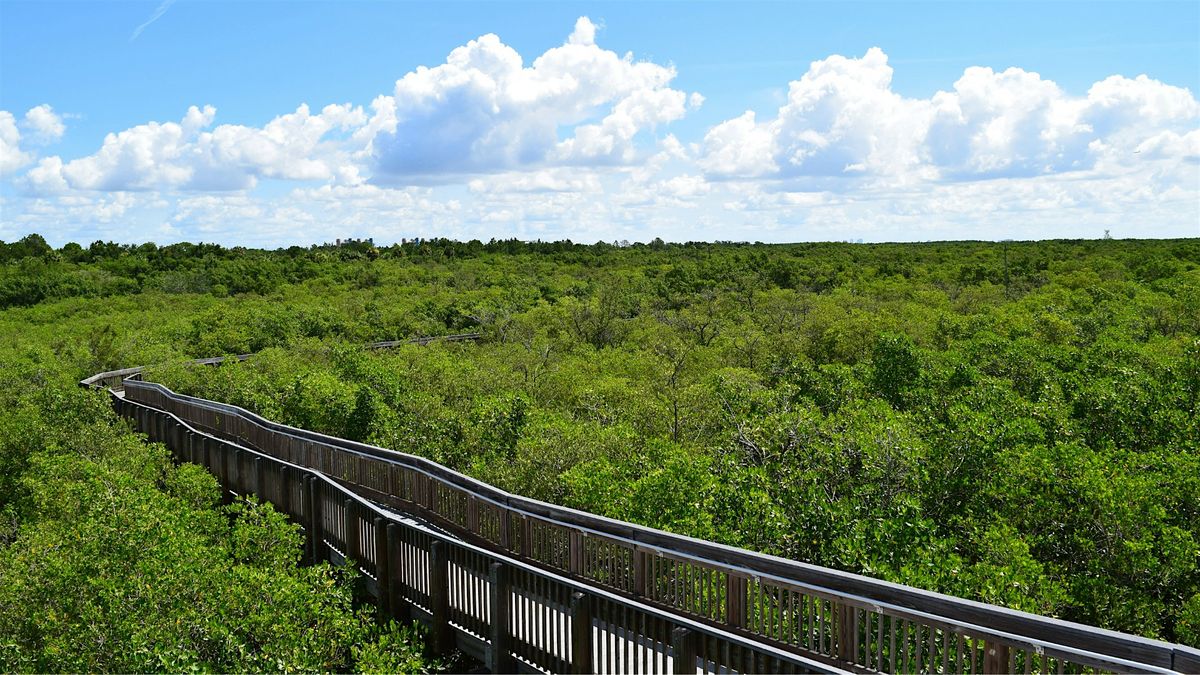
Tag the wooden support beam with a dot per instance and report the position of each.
(441, 635)
(581, 633)
(641, 569)
(526, 536)
(260, 480)
(995, 658)
(350, 529)
(847, 641)
(306, 520)
(397, 573)
(505, 523)
(472, 514)
(683, 651)
(383, 577)
(500, 659)
(575, 552)
(235, 470)
(228, 463)
(316, 523)
(200, 443)
(735, 600)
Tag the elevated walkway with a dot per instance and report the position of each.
(514, 581)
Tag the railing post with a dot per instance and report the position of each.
(316, 523)
(228, 461)
(472, 514)
(505, 523)
(234, 455)
(190, 443)
(286, 489)
(500, 658)
(383, 579)
(432, 494)
(683, 651)
(526, 537)
(306, 507)
(995, 658)
(581, 633)
(439, 599)
(640, 572)
(200, 443)
(260, 480)
(575, 552)
(735, 600)
(350, 527)
(396, 575)
(847, 641)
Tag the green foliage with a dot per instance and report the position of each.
(1015, 423)
(115, 559)
(396, 650)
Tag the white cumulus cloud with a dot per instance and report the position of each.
(42, 125)
(572, 144)
(11, 155)
(842, 119)
(484, 110)
(185, 155)
(46, 124)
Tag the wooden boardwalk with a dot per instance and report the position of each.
(513, 581)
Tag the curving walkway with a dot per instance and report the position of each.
(508, 579)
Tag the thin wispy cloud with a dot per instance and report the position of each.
(162, 9)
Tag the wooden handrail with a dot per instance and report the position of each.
(407, 567)
(751, 594)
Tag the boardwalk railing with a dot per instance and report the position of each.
(739, 610)
(509, 614)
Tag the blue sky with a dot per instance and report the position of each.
(751, 121)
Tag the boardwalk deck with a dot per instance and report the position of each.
(440, 547)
